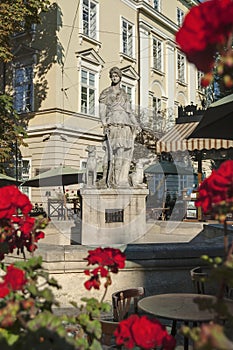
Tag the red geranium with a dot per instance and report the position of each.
(215, 193)
(109, 260)
(12, 200)
(18, 229)
(205, 31)
(112, 258)
(13, 280)
(143, 332)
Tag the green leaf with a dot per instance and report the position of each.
(96, 345)
(8, 336)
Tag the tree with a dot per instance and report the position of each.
(16, 17)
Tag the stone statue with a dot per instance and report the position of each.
(120, 128)
(91, 170)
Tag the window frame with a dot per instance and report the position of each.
(156, 102)
(157, 6)
(86, 29)
(157, 63)
(127, 50)
(88, 87)
(127, 88)
(181, 68)
(179, 16)
(25, 89)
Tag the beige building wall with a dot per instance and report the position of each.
(59, 132)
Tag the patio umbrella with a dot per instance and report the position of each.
(7, 180)
(217, 121)
(168, 168)
(60, 176)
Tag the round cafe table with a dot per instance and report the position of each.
(180, 307)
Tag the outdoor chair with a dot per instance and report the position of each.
(108, 328)
(198, 277)
(126, 301)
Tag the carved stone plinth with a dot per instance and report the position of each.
(113, 216)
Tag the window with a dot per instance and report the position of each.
(157, 186)
(83, 164)
(156, 5)
(23, 89)
(157, 54)
(88, 92)
(180, 17)
(157, 105)
(185, 181)
(127, 38)
(181, 67)
(199, 76)
(128, 90)
(89, 18)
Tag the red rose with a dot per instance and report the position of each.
(15, 278)
(206, 28)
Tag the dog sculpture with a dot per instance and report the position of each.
(137, 176)
(91, 172)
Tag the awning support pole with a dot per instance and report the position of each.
(199, 180)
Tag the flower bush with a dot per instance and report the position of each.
(206, 39)
(216, 192)
(143, 333)
(27, 320)
(207, 33)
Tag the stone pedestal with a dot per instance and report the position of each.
(113, 216)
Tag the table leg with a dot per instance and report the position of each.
(173, 330)
(186, 339)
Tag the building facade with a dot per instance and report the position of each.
(60, 69)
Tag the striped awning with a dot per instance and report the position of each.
(176, 140)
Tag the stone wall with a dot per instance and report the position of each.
(159, 267)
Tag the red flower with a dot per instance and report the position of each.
(19, 230)
(11, 199)
(206, 28)
(27, 225)
(217, 189)
(38, 235)
(143, 332)
(124, 334)
(4, 290)
(93, 282)
(15, 278)
(108, 259)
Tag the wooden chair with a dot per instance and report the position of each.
(198, 277)
(123, 300)
(108, 328)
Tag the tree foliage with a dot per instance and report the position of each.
(16, 17)
(12, 128)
